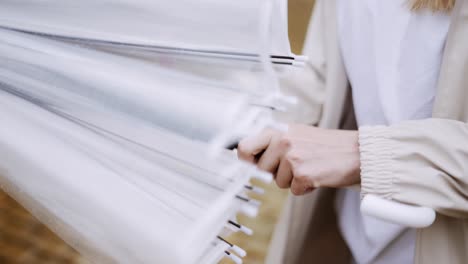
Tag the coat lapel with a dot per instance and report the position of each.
(452, 92)
(336, 78)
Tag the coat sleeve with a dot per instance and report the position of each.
(421, 162)
(307, 84)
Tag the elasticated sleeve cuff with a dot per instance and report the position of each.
(376, 150)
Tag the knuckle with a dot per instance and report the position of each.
(303, 179)
(268, 132)
(240, 155)
(242, 147)
(298, 187)
(282, 183)
(296, 191)
(301, 176)
(285, 142)
(293, 157)
(264, 167)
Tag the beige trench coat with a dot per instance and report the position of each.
(416, 162)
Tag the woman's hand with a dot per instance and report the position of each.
(305, 157)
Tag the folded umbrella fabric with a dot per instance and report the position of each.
(118, 112)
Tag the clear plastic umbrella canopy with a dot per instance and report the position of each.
(118, 112)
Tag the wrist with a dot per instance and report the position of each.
(356, 159)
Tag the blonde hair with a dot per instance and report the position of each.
(434, 5)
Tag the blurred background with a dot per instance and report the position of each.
(24, 240)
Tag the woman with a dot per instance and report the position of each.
(400, 70)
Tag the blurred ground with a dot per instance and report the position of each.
(23, 240)
(299, 16)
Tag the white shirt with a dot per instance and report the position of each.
(392, 57)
